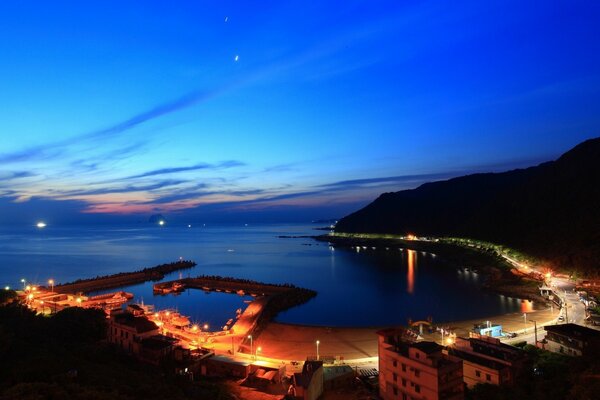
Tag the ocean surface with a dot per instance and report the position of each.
(370, 287)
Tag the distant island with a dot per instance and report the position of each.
(550, 211)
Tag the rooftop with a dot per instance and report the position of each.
(158, 342)
(573, 330)
(140, 324)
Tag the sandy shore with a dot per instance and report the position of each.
(297, 342)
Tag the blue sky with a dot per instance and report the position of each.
(119, 110)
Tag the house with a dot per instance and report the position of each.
(156, 348)
(127, 330)
(572, 340)
(338, 376)
(487, 360)
(416, 370)
(308, 385)
(140, 337)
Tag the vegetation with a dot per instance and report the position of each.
(65, 357)
(549, 211)
(551, 377)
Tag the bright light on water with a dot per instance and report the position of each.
(41, 224)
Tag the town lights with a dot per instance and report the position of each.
(195, 328)
(6, 287)
(78, 300)
(205, 327)
(27, 288)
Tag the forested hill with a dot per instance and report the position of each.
(551, 211)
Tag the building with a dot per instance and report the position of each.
(308, 385)
(338, 376)
(487, 360)
(416, 370)
(221, 366)
(127, 330)
(140, 337)
(572, 340)
(488, 329)
(156, 348)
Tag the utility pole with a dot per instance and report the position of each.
(535, 331)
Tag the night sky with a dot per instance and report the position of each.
(279, 110)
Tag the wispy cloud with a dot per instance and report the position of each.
(201, 166)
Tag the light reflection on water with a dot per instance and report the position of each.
(355, 286)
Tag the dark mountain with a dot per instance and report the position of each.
(551, 211)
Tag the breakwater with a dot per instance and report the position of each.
(123, 279)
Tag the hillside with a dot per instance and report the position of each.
(551, 211)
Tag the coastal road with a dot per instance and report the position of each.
(573, 310)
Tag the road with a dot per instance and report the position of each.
(573, 310)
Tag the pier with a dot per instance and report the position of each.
(270, 300)
(123, 279)
(222, 284)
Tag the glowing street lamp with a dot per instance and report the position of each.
(205, 327)
(23, 281)
(318, 343)
(251, 345)
(258, 351)
(51, 283)
(6, 287)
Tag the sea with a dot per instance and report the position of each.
(367, 287)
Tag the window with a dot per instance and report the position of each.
(395, 391)
(488, 377)
(478, 374)
(403, 382)
(404, 396)
(395, 377)
(417, 388)
(417, 355)
(417, 373)
(395, 363)
(403, 367)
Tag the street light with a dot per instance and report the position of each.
(205, 327)
(317, 343)
(23, 281)
(258, 350)
(251, 345)
(51, 283)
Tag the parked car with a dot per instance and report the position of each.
(511, 334)
(561, 318)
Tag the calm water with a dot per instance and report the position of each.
(367, 288)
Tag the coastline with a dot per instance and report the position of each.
(497, 271)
